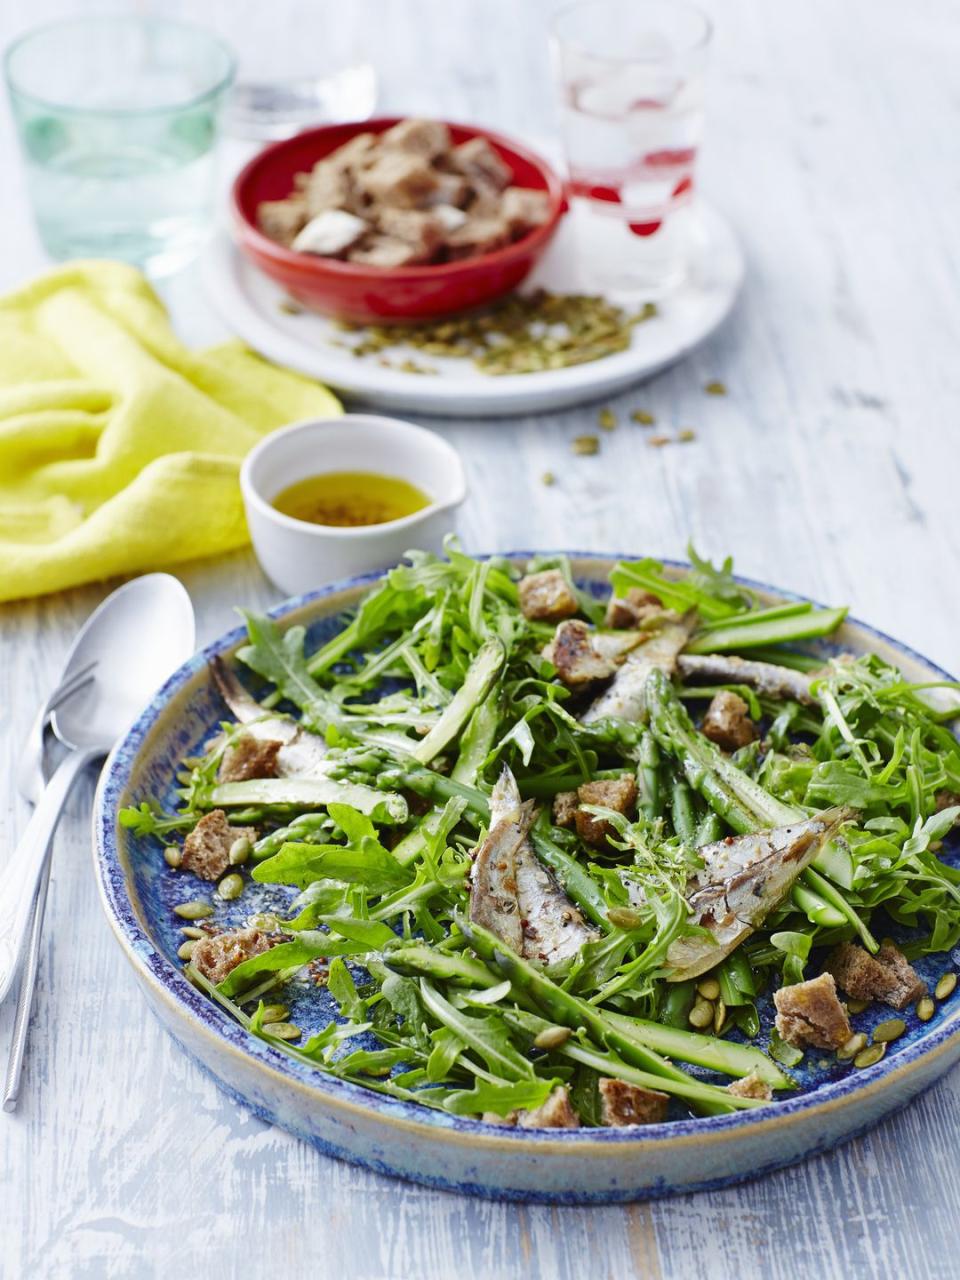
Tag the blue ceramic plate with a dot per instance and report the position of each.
(568, 1166)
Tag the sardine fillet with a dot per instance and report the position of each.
(765, 677)
(625, 697)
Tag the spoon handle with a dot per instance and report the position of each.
(18, 882)
(28, 982)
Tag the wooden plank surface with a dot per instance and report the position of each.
(830, 468)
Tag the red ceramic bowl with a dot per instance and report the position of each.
(351, 291)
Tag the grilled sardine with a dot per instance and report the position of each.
(765, 677)
(302, 754)
(624, 698)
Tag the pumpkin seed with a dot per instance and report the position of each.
(719, 1017)
(867, 1057)
(552, 1037)
(889, 1030)
(240, 851)
(701, 1015)
(548, 478)
(264, 920)
(709, 988)
(686, 434)
(852, 1047)
(642, 416)
(230, 887)
(289, 307)
(945, 986)
(195, 909)
(857, 1006)
(715, 389)
(173, 855)
(282, 1030)
(607, 420)
(658, 441)
(925, 1009)
(185, 949)
(275, 1013)
(190, 931)
(586, 446)
(625, 917)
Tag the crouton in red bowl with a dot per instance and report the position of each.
(443, 232)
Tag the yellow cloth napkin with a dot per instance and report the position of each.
(119, 447)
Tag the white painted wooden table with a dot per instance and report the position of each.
(830, 468)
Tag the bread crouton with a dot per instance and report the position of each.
(384, 251)
(619, 794)
(623, 1104)
(556, 1113)
(477, 160)
(355, 154)
(522, 209)
(546, 597)
(727, 721)
(219, 955)
(887, 976)
(398, 178)
(477, 235)
(423, 231)
(573, 654)
(565, 808)
(249, 757)
(329, 186)
(427, 138)
(631, 610)
(751, 1086)
(282, 220)
(206, 850)
(809, 1013)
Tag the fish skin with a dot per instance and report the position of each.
(765, 677)
(302, 754)
(493, 877)
(552, 930)
(625, 696)
(742, 880)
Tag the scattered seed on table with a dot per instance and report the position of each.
(275, 1013)
(686, 434)
(715, 389)
(289, 307)
(282, 1030)
(857, 1006)
(195, 909)
(852, 1047)
(701, 1015)
(644, 417)
(945, 986)
(230, 887)
(190, 931)
(173, 855)
(586, 445)
(548, 478)
(658, 441)
(552, 1037)
(185, 949)
(240, 851)
(925, 1009)
(884, 1032)
(709, 988)
(867, 1057)
(606, 420)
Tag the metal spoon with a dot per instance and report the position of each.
(137, 637)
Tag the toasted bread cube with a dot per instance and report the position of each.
(427, 138)
(476, 236)
(355, 154)
(398, 178)
(623, 1104)
(422, 230)
(206, 850)
(451, 188)
(385, 251)
(887, 976)
(477, 160)
(522, 209)
(631, 610)
(546, 596)
(619, 794)
(565, 808)
(281, 220)
(809, 1013)
(751, 1086)
(249, 757)
(573, 654)
(328, 186)
(727, 721)
(219, 955)
(330, 234)
(556, 1113)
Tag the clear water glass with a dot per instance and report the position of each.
(631, 82)
(118, 120)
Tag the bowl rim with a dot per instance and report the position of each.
(228, 1038)
(264, 508)
(250, 237)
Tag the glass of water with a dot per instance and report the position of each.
(118, 120)
(631, 76)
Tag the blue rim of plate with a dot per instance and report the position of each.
(153, 965)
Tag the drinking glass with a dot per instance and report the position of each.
(631, 80)
(118, 119)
